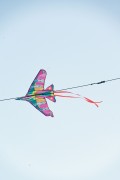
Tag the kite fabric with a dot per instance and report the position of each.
(37, 94)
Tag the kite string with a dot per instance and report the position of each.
(90, 84)
(74, 87)
(7, 99)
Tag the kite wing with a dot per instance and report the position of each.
(41, 105)
(38, 83)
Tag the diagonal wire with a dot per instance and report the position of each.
(74, 87)
(90, 84)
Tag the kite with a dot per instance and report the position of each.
(37, 94)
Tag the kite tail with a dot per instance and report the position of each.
(91, 101)
(58, 93)
(66, 96)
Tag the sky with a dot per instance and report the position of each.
(76, 42)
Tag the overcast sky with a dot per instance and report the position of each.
(76, 43)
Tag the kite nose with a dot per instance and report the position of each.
(18, 98)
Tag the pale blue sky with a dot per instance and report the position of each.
(76, 43)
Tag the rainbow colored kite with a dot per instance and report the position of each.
(37, 95)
